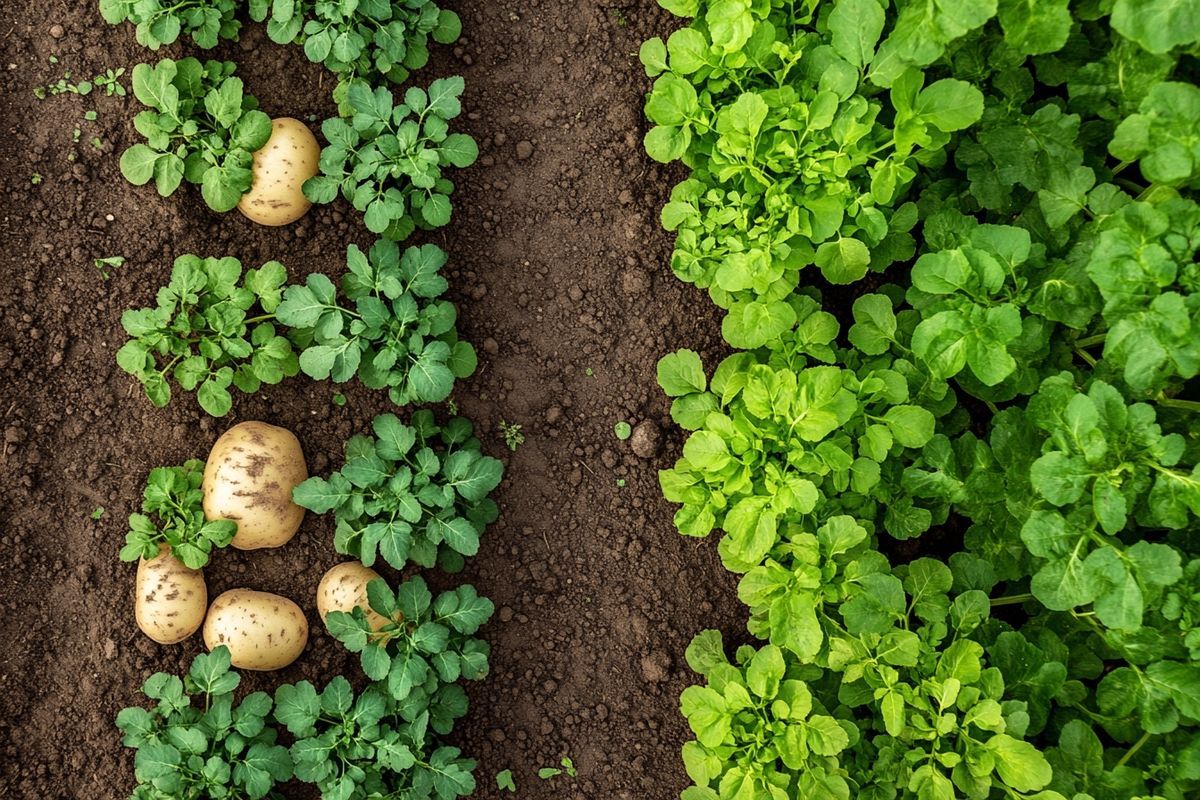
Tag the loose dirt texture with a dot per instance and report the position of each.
(559, 269)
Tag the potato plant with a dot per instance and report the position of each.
(200, 126)
(173, 515)
(1018, 404)
(214, 328)
(411, 493)
(386, 159)
(196, 741)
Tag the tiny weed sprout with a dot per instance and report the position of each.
(513, 437)
(339, 399)
(199, 126)
(36, 179)
(504, 780)
(622, 430)
(172, 515)
(569, 766)
(97, 513)
(546, 773)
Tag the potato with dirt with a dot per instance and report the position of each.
(263, 631)
(249, 478)
(170, 599)
(280, 168)
(343, 587)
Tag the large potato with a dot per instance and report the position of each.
(345, 586)
(171, 598)
(249, 478)
(263, 631)
(280, 168)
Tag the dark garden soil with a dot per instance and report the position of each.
(559, 269)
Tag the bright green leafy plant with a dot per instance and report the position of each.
(160, 22)
(369, 745)
(427, 643)
(198, 742)
(203, 333)
(173, 515)
(200, 126)
(412, 493)
(214, 328)
(376, 40)
(1032, 442)
(387, 159)
(393, 332)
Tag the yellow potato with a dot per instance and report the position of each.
(280, 168)
(249, 478)
(263, 631)
(171, 598)
(345, 586)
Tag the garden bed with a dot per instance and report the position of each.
(558, 266)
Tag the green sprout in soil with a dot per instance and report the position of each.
(504, 780)
(512, 435)
(622, 430)
(36, 179)
(589, 372)
(545, 773)
(107, 264)
(452, 406)
(109, 82)
(620, 483)
(339, 399)
(97, 513)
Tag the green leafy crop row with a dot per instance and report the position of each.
(214, 328)
(964, 519)
(376, 40)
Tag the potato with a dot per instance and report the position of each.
(263, 631)
(345, 586)
(280, 168)
(249, 478)
(171, 598)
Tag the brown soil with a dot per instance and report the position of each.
(559, 269)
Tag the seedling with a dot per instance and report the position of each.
(339, 399)
(97, 513)
(622, 430)
(504, 780)
(36, 179)
(107, 264)
(545, 773)
(513, 437)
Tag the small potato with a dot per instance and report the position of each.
(345, 586)
(263, 631)
(280, 168)
(171, 598)
(249, 478)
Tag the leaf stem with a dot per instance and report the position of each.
(1175, 402)
(1133, 750)
(1012, 599)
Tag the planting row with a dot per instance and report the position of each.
(964, 521)
(413, 493)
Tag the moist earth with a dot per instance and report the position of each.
(559, 269)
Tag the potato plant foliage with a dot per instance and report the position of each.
(214, 328)
(196, 742)
(173, 514)
(411, 493)
(200, 126)
(1014, 395)
(386, 159)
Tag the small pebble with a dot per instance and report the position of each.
(56, 31)
(524, 149)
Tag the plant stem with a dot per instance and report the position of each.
(1131, 751)
(1182, 405)
(1012, 599)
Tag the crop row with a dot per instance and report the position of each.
(413, 493)
(964, 521)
